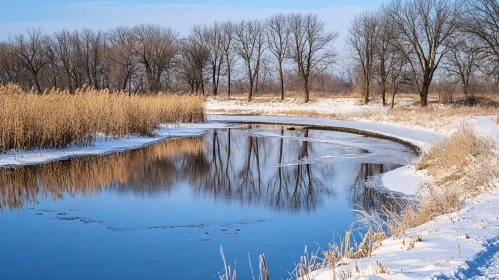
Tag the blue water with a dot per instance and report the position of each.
(163, 212)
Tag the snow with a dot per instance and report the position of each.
(273, 107)
(337, 108)
(277, 107)
(420, 138)
(104, 146)
(460, 245)
(404, 180)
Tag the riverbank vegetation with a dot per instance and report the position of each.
(461, 166)
(58, 119)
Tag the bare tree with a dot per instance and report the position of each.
(10, 70)
(213, 38)
(385, 56)
(481, 19)
(278, 40)
(397, 72)
(250, 47)
(195, 55)
(311, 47)
(64, 52)
(425, 27)
(28, 49)
(155, 48)
(229, 50)
(463, 60)
(53, 66)
(364, 38)
(121, 56)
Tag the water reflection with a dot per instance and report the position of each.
(231, 164)
(140, 213)
(367, 197)
(146, 170)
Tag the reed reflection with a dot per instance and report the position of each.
(230, 164)
(148, 170)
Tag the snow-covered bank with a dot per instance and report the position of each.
(460, 245)
(419, 138)
(103, 146)
(352, 109)
(278, 107)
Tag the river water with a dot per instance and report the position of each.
(162, 212)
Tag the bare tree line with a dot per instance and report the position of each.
(406, 45)
(150, 58)
(405, 42)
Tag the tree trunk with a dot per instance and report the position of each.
(383, 93)
(250, 94)
(251, 81)
(424, 95)
(281, 80)
(228, 77)
(307, 94)
(393, 98)
(39, 88)
(366, 96)
(214, 80)
(256, 82)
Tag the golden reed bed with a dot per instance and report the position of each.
(57, 119)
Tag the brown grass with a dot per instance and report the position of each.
(463, 165)
(57, 119)
(465, 161)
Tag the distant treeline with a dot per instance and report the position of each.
(406, 44)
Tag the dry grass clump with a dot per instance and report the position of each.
(57, 119)
(464, 161)
(435, 202)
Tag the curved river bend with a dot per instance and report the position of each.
(162, 212)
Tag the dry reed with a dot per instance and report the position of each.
(57, 119)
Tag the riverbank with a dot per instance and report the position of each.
(462, 245)
(105, 145)
(437, 117)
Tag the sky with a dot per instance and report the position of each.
(54, 15)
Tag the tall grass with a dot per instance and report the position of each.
(57, 119)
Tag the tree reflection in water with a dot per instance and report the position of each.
(229, 164)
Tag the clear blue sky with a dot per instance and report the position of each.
(52, 15)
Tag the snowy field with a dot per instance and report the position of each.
(462, 245)
(274, 107)
(334, 108)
